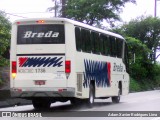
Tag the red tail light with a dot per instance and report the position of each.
(14, 69)
(67, 66)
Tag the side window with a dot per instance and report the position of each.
(87, 41)
(119, 47)
(97, 43)
(92, 42)
(78, 39)
(102, 45)
(107, 46)
(113, 47)
(101, 42)
(83, 36)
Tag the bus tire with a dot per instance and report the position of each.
(90, 100)
(39, 104)
(116, 99)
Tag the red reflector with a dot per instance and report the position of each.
(60, 90)
(67, 66)
(18, 23)
(19, 90)
(14, 67)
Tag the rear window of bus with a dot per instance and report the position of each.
(41, 34)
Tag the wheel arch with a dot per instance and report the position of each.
(92, 82)
(120, 87)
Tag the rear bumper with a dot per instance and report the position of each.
(42, 92)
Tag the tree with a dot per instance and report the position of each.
(142, 36)
(5, 27)
(92, 11)
(58, 8)
(140, 69)
(147, 30)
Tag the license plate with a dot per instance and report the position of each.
(40, 82)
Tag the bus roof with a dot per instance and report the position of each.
(76, 23)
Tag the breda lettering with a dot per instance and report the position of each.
(30, 34)
(118, 68)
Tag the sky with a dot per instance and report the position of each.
(142, 7)
(38, 8)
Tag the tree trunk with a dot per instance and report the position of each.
(63, 8)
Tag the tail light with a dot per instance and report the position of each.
(67, 66)
(14, 69)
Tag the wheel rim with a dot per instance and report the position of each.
(91, 98)
(118, 96)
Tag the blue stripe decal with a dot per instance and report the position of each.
(97, 71)
(40, 62)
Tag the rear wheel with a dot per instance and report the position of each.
(116, 99)
(39, 104)
(90, 100)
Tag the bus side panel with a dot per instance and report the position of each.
(125, 87)
(82, 91)
(101, 90)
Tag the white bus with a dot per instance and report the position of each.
(57, 59)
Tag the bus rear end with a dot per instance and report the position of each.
(39, 67)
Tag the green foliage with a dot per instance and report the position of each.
(5, 27)
(143, 35)
(1, 82)
(91, 12)
(143, 79)
(138, 69)
(146, 29)
(137, 47)
(156, 74)
(134, 86)
(94, 11)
